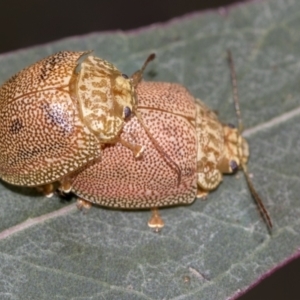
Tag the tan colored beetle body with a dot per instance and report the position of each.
(55, 114)
(188, 132)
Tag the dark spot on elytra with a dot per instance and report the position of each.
(13, 78)
(43, 74)
(52, 61)
(16, 126)
(47, 67)
(58, 118)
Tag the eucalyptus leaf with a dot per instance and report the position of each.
(213, 249)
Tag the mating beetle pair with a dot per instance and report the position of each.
(116, 141)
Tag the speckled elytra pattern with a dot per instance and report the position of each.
(42, 136)
(102, 94)
(120, 180)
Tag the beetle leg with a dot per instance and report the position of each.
(83, 204)
(47, 189)
(201, 193)
(155, 221)
(137, 150)
(65, 185)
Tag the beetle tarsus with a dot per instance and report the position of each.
(47, 190)
(156, 222)
(202, 194)
(82, 204)
(65, 186)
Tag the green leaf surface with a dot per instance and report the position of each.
(211, 249)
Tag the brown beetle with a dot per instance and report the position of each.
(193, 137)
(56, 114)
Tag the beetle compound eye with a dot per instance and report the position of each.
(125, 76)
(127, 112)
(233, 165)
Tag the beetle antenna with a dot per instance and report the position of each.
(138, 75)
(160, 150)
(254, 193)
(257, 198)
(136, 78)
(235, 91)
